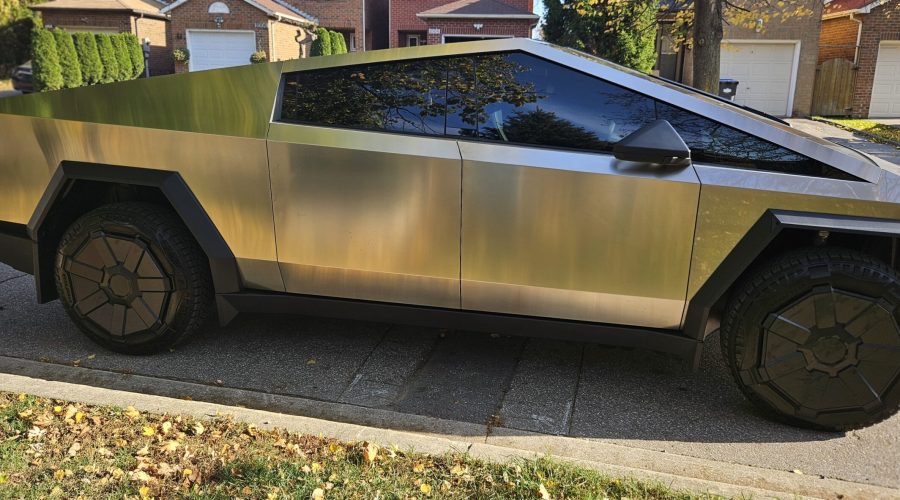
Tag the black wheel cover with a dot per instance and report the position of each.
(120, 285)
(814, 337)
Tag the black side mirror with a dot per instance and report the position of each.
(655, 142)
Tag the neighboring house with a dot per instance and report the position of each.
(420, 22)
(223, 33)
(352, 18)
(140, 17)
(866, 33)
(774, 63)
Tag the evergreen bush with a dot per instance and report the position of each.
(107, 58)
(68, 59)
(123, 57)
(136, 51)
(45, 68)
(88, 58)
(321, 46)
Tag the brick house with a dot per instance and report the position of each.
(420, 22)
(773, 62)
(222, 33)
(866, 33)
(143, 18)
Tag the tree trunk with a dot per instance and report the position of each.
(707, 42)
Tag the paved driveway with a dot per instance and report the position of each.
(630, 398)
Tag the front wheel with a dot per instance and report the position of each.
(132, 277)
(813, 338)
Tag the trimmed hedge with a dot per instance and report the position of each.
(137, 54)
(123, 57)
(321, 46)
(45, 67)
(68, 60)
(107, 58)
(88, 58)
(336, 39)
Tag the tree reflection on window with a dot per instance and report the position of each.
(516, 98)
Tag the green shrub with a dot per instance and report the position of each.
(338, 45)
(321, 46)
(136, 52)
(107, 58)
(45, 66)
(181, 55)
(68, 59)
(88, 58)
(259, 57)
(123, 57)
(17, 23)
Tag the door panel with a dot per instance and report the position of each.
(367, 215)
(575, 235)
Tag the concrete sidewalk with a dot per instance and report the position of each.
(819, 129)
(676, 471)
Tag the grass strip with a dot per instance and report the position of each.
(52, 448)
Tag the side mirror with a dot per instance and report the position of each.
(655, 142)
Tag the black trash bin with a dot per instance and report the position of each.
(728, 88)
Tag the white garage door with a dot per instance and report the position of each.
(886, 88)
(219, 49)
(764, 72)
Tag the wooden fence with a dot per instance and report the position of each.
(833, 91)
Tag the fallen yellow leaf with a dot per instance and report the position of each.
(419, 467)
(316, 467)
(166, 427)
(458, 470)
(542, 491)
(74, 449)
(199, 429)
(22, 396)
(79, 416)
(131, 412)
(186, 472)
(318, 494)
(144, 491)
(59, 474)
(57, 409)
(425, 488)
(371, 452)
(148, 430)
(170, 446)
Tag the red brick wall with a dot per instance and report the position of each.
(86, 19)
(195, 15)
(161, 62)
(503, 27)
(338, 15)
(883, 23)
(838, 39)
(403, 17)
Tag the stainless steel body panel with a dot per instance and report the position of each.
(367, 215)
(575, 235)
(228, 175)
(732, 200)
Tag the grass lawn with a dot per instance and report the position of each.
(66, 450)
(878, 130)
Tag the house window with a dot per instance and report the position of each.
(218, 8)
(412, 40)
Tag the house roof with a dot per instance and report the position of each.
(477, 9)
(273, 8)
(837, 8)
(151, 7)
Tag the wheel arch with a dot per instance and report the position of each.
(778, 231)
(78, 187)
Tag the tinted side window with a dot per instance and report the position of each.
(713, 142)
(526, 100)
(406, 96)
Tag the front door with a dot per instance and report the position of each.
(363, 208)
(552, 224)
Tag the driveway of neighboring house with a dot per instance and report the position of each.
(893, 122)
(8, 93)
(884, 151)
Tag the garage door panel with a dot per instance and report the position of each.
(885, 101)
(764, 72)
(220, 49)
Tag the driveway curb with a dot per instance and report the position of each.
(423, 434)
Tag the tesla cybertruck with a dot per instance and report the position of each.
(509, 186)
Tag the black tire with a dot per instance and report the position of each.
(132, 277)
(813, 339)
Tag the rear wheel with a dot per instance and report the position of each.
(814, 339)
(132, 278)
